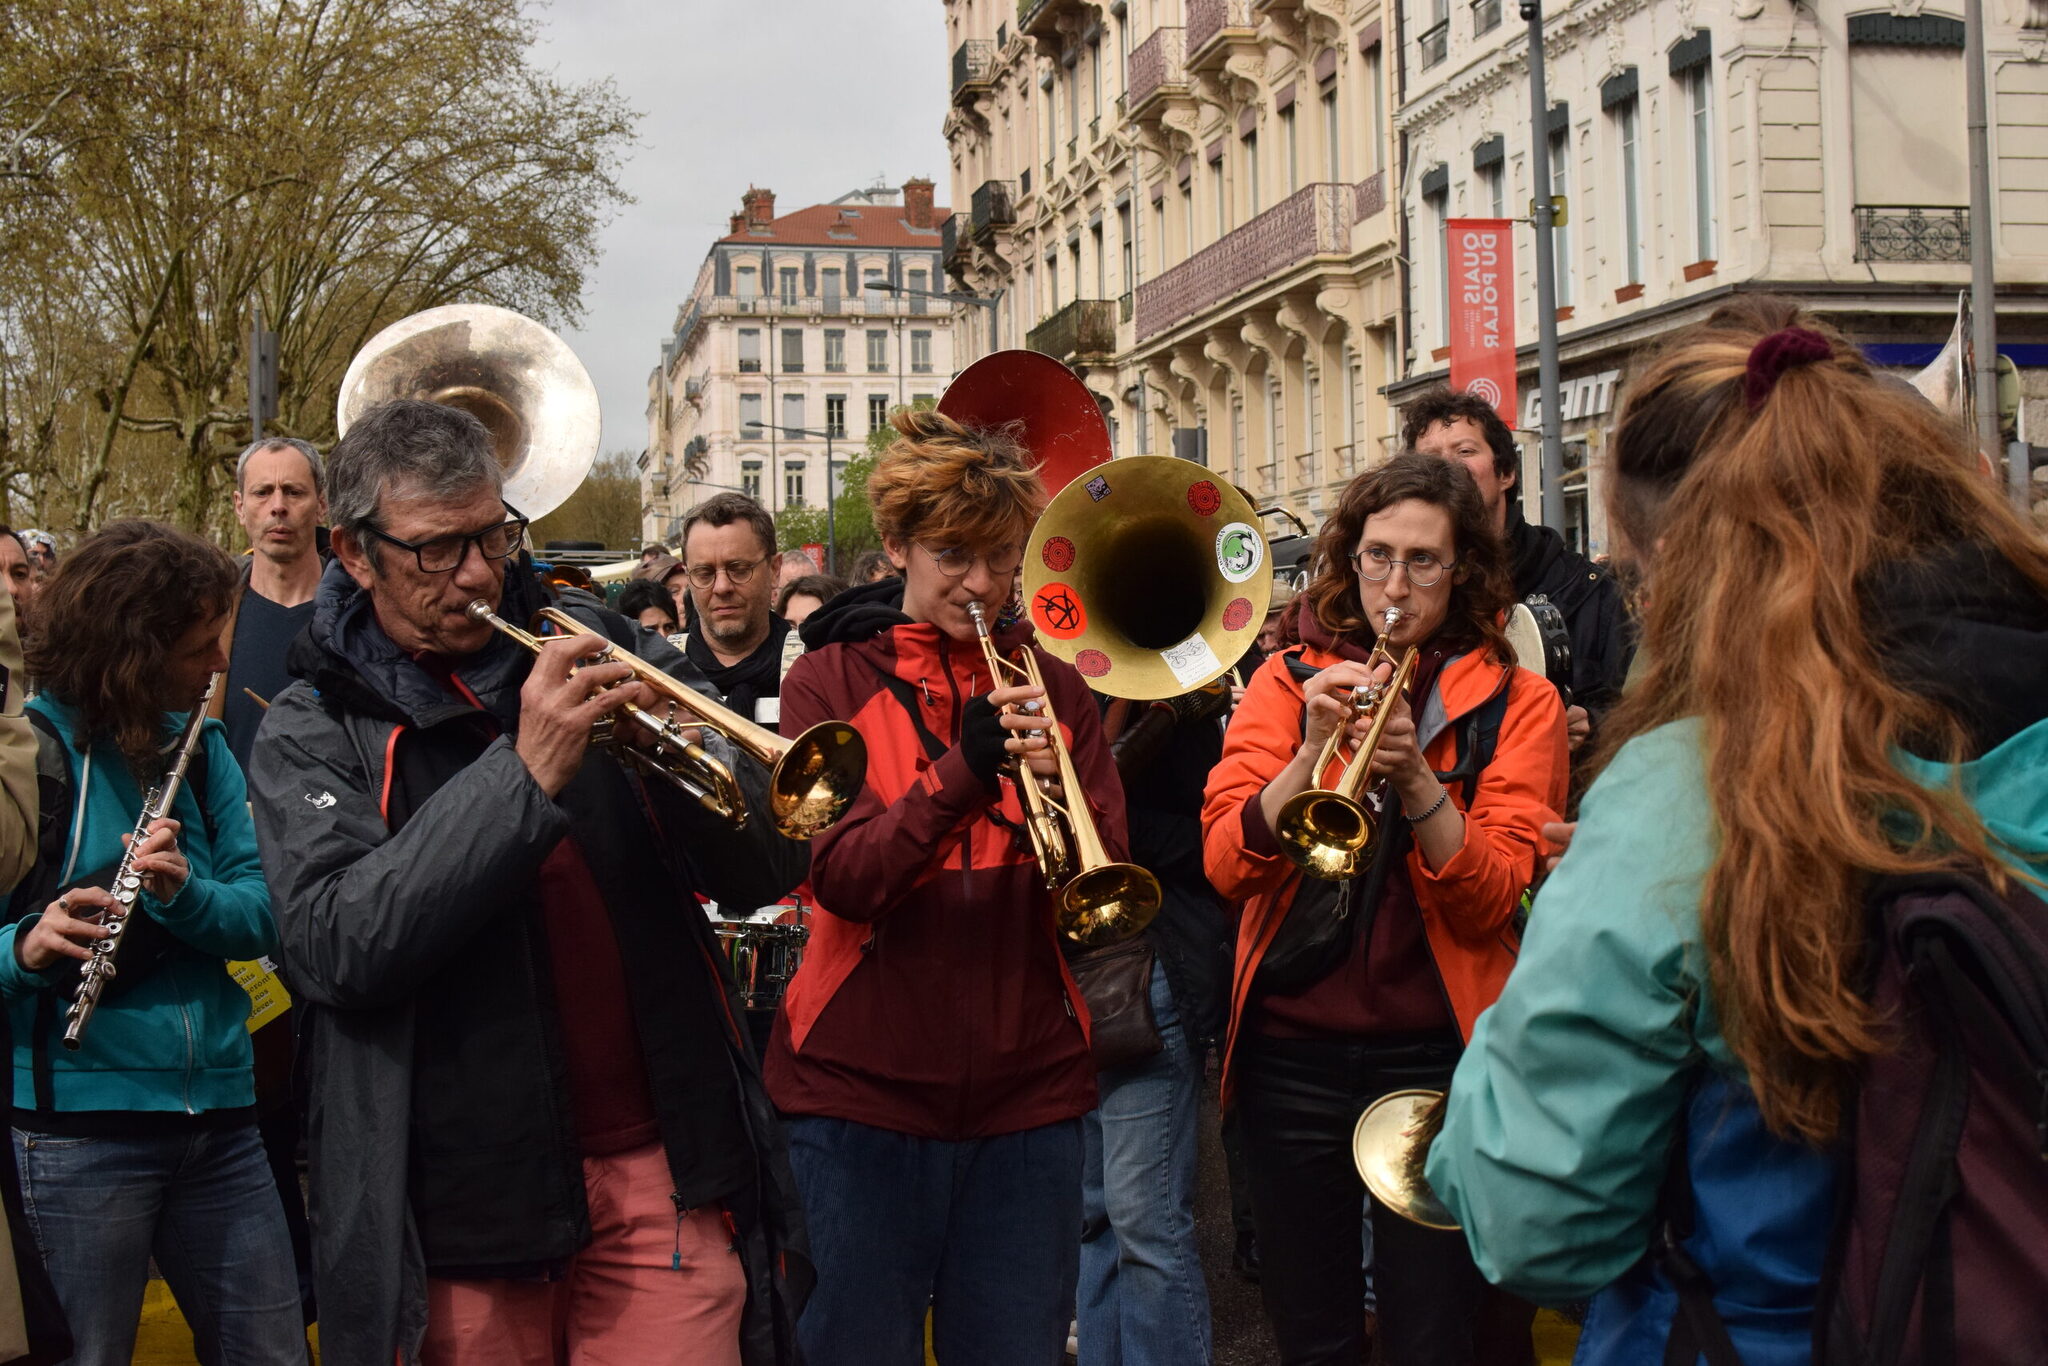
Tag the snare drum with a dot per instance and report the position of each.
(764, 957)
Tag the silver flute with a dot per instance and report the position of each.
(127, 885)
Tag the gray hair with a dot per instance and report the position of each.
(428, 449)
(284, 443)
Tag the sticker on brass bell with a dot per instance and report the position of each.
(1203, 498)
(1192, 661)
(1098, 488)
(1057, 611)
(1240, 550)
(1092, 663)
(1237, 614)
(1058, 554)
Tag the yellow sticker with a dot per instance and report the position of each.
(267, 997)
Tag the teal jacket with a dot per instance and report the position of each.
(1605, 1047)
(177, 1038)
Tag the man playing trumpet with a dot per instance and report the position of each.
(532, 1120)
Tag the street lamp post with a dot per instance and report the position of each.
(831, 536)
(1546, 274)
(952, 296)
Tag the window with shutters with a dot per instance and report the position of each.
(921, 353)
(835, 415)
(878, 351)
(750, 350)
(792, 350)
(835, 351)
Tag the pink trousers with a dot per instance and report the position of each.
(649, 1288)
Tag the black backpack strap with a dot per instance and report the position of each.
(907, 696)
(1478, 738)
(53, 818)
(1696, 1327)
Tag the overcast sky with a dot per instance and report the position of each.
(808, 98)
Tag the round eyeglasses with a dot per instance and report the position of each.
(1424, 569)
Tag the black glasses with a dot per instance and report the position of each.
(954, 563)
(736, 571)
(445, 554)
(1424, 569)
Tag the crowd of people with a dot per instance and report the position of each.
(419, 1031)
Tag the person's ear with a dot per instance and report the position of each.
(898, 553)
(354, 557)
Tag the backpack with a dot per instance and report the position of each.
(1940, 1249)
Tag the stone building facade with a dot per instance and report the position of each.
(782, 328)
(1190, 202)
(1711, 147)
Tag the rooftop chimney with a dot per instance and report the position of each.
(759, 206)
(917, 202)
(738, 223)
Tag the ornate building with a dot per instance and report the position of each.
(1192, 204)
(1705, 148)
(785, 341)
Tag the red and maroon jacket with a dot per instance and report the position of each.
(933, 998)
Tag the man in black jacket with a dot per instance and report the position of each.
(529, 1104)
(1466, 428)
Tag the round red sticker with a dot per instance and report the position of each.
(1203, 498)
(1237, 614)
(1058, 554)
(1092, 663)
(1057, 611)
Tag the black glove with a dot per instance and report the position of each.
(981, 741)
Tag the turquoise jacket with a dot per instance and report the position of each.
(177, 1038)
(1604, 1048)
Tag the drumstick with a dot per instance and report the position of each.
(257, 700)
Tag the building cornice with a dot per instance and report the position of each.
(1509, 64)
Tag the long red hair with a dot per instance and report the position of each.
(1764, 528)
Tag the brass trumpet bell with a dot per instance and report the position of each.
(1327, 832)
(516, 377)
(1390, 1147)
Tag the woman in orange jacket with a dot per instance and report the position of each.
(1344, 992)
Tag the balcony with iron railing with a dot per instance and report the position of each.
(974, 68)
(1040, 18)
(949, 239)
(1210, 22)
(1313, 221)
(1084, 330)
(1912, 233)
(994, 206)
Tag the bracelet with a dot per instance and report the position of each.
(1443, 795)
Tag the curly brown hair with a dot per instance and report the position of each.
(107, 616)
(1481, 589)
(1445, 405)
(959, 486)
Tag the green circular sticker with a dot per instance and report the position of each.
(1240, 550)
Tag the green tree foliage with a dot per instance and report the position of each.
(605, 508)
(167, 166)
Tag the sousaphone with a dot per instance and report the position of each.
(516, 377)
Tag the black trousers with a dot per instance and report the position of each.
(1298, 1101)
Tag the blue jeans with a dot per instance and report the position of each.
(981, 1230)
(1142, 1298)
(203, 1203)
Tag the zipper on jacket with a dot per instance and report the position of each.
(184, 1018)
(675, 1261)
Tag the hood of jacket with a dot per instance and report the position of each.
(1969, 630)
(871, 614)
(345, 651)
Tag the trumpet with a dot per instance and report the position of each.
(1391, 1146)
(1100, 902)
(1327, 832)
(811, 779)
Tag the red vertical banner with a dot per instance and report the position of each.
(1481, 253)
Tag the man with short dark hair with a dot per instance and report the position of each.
(280, 500)
(1466, 428)
(736, 638)
(531, 1117)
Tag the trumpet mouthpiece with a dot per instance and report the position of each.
(479, 610)
(1390, 618)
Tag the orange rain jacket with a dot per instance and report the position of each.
(1468, 904)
